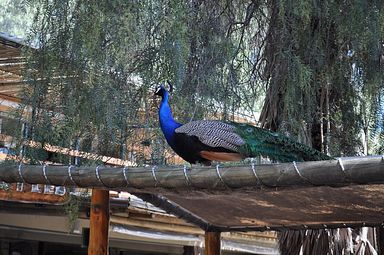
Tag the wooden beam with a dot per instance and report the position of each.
(342, 172)
(160, 226)
(212, 243)
(80, 154)
(10, 98)
(28, 196)
(99, 223)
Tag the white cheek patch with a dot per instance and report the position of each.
(157, 90)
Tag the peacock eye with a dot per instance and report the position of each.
(249, 130)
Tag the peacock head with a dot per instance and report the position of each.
(161, 90)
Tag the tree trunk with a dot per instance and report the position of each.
(322, 140)
(328, 117)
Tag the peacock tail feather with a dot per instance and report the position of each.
(276, 146)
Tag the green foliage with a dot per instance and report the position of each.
(98, 61)
(325, 67)
(318, 64)
(5, 186)
(15, 17)
(72, 208)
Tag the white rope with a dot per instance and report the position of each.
(341, 165)
(20, 174)
(298, 172)
(343, 169)
(258, 179)
(186, 176)
(99, 178)
(98, 175)
(219, 175)
(45, 174)
(154, 175)
(70, 175)
(255, 174)
(125, 176)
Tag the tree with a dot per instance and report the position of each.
(98, 61)
(324, 71)
(325, 84)
(319, 65)
(15, 16)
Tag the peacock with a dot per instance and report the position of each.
(204, 141)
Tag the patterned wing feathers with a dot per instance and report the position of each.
(213, 133)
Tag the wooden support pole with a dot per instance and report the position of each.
(188, 250)
(99, 223)
(380, 239)
(212, 243)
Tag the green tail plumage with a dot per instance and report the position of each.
(276, 146)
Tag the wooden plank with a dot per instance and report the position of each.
(13, 60)
(9, 52)
(160, 226)
(99, 223)
(10, 89)
(212, 243)
(7, 74)
(14, 69)
(10, 98)
(27, 196)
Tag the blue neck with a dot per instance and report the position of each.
(167, 123)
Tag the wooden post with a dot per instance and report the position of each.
(380, 239)
(212, 243)
(188, 250)
(99, 223)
